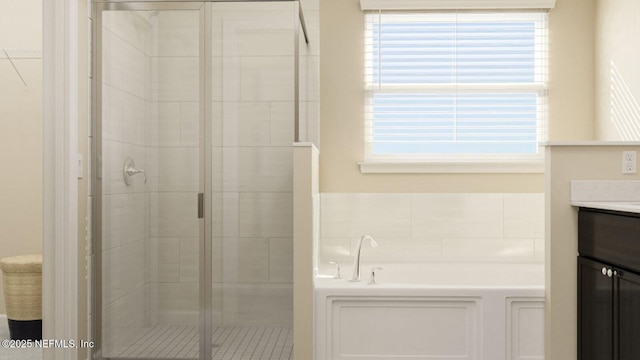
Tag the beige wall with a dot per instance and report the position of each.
(617, 70)
(571, 78)
(20, 133)
(571, 70)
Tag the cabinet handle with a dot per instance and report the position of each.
(604, 270)
(609, 273)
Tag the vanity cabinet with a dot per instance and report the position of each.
(608, 285)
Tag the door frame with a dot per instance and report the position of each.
(60, 184)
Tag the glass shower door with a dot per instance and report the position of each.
(150, 111)
(194, 107)
(253, 103)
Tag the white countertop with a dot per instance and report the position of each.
(613, 195)
(626, 206)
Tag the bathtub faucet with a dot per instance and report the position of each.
(356, 260)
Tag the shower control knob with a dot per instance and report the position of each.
(337, 275)
(604, 270)
(373, 281)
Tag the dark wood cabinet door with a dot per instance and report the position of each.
(610, 238)
(628, 315)
(595, 311)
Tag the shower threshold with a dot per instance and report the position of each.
(229, 343)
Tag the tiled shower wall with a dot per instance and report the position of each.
(252, 135)
(253, 53)
(425, 227)
(126, 91)
(174, 169)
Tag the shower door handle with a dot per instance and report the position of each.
(200, 205)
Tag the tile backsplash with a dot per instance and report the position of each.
(415, 227)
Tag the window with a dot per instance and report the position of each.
(456, 86)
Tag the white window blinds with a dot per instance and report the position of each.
(455, 85)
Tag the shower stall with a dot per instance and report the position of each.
(195, 106)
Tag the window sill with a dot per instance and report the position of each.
(477, 167)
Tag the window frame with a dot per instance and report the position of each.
(459, 162)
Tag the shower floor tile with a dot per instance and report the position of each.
(229, 343)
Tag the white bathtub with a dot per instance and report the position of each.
(432, 311)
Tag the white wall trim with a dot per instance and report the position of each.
(60, 109)
(455, 4)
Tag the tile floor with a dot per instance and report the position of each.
(230, 343)
(181, 342)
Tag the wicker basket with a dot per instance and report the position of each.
(22, 284)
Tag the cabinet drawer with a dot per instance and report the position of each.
(610, 237)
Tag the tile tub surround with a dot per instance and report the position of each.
(416, 227)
